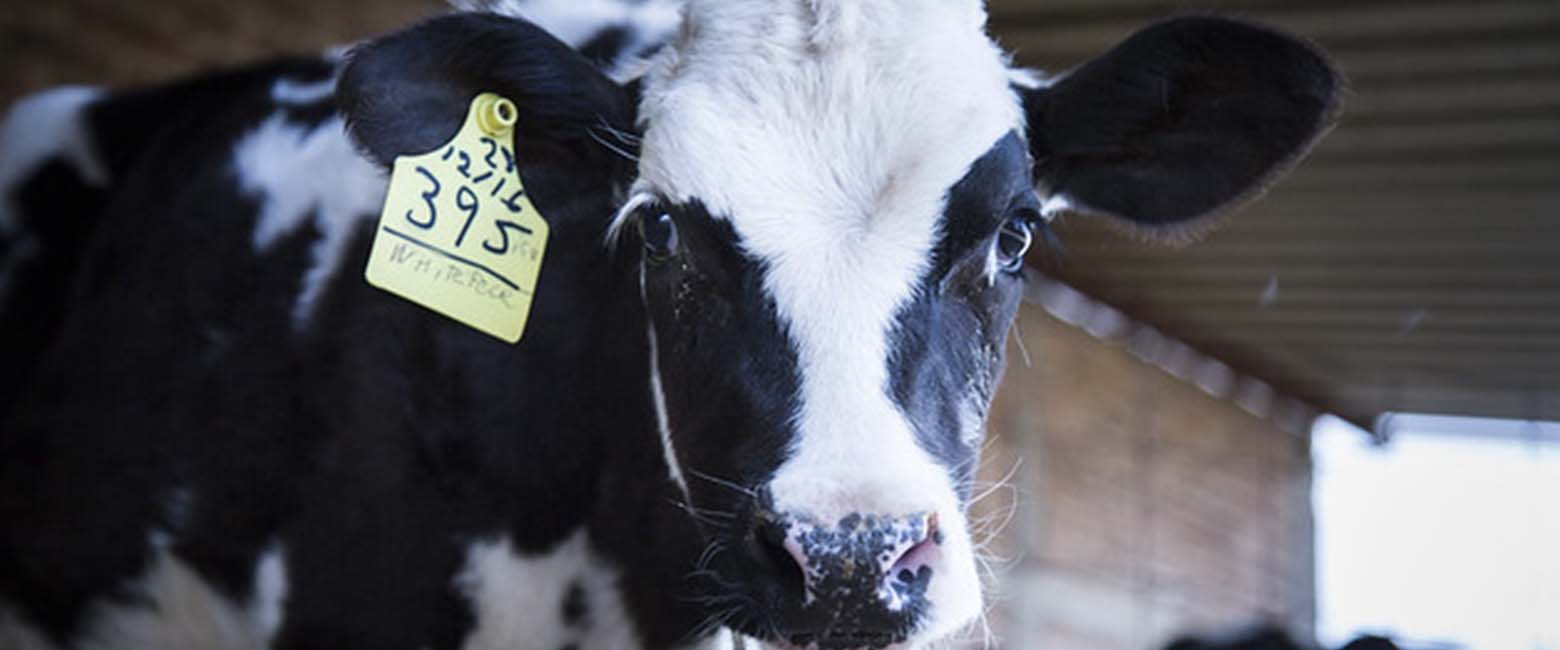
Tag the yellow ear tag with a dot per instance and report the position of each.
(458, 234)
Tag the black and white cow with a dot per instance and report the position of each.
(785, 254)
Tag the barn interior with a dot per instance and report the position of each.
(1150, 462)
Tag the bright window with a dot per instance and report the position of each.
(1447, 537)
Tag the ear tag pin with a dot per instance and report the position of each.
(458, 234)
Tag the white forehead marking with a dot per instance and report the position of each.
(829, 134)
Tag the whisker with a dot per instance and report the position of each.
(1005, 481)
(1018, 337)
(714, 518)
(610, 146)
(723, 483)
(714, 548)
(624, 136)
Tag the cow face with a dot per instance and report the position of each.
(831, 206)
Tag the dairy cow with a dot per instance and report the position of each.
(785, 252)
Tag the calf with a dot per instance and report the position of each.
(747, 409)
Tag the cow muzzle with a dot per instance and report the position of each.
(859, 582)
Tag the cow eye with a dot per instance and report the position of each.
(659, 233)
(1012, 241)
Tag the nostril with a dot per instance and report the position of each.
(770, 537)
(922, 553)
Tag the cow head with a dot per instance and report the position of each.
(830, 206)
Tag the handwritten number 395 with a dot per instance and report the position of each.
(467, 201)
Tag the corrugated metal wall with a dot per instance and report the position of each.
(1413, 262)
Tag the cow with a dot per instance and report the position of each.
(785, 250)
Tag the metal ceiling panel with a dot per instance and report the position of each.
(1412, 263)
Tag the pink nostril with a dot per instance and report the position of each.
(922, 553)
(893, 557)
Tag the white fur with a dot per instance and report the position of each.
(828, 132)
(518, 599)
(1055, 205)
(576, 21)
(291, 92)
(174, 609)
(300, 173)
(267, 605)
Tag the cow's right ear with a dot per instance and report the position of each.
(408, 93)
(1179, 123)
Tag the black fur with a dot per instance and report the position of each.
(948, 340)
(1181, 121)
(58, 209)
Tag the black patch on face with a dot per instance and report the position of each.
(947, 342)
(727, 366)
(730, 379)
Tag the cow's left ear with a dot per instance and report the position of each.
(408, 93)
(1181, 121)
